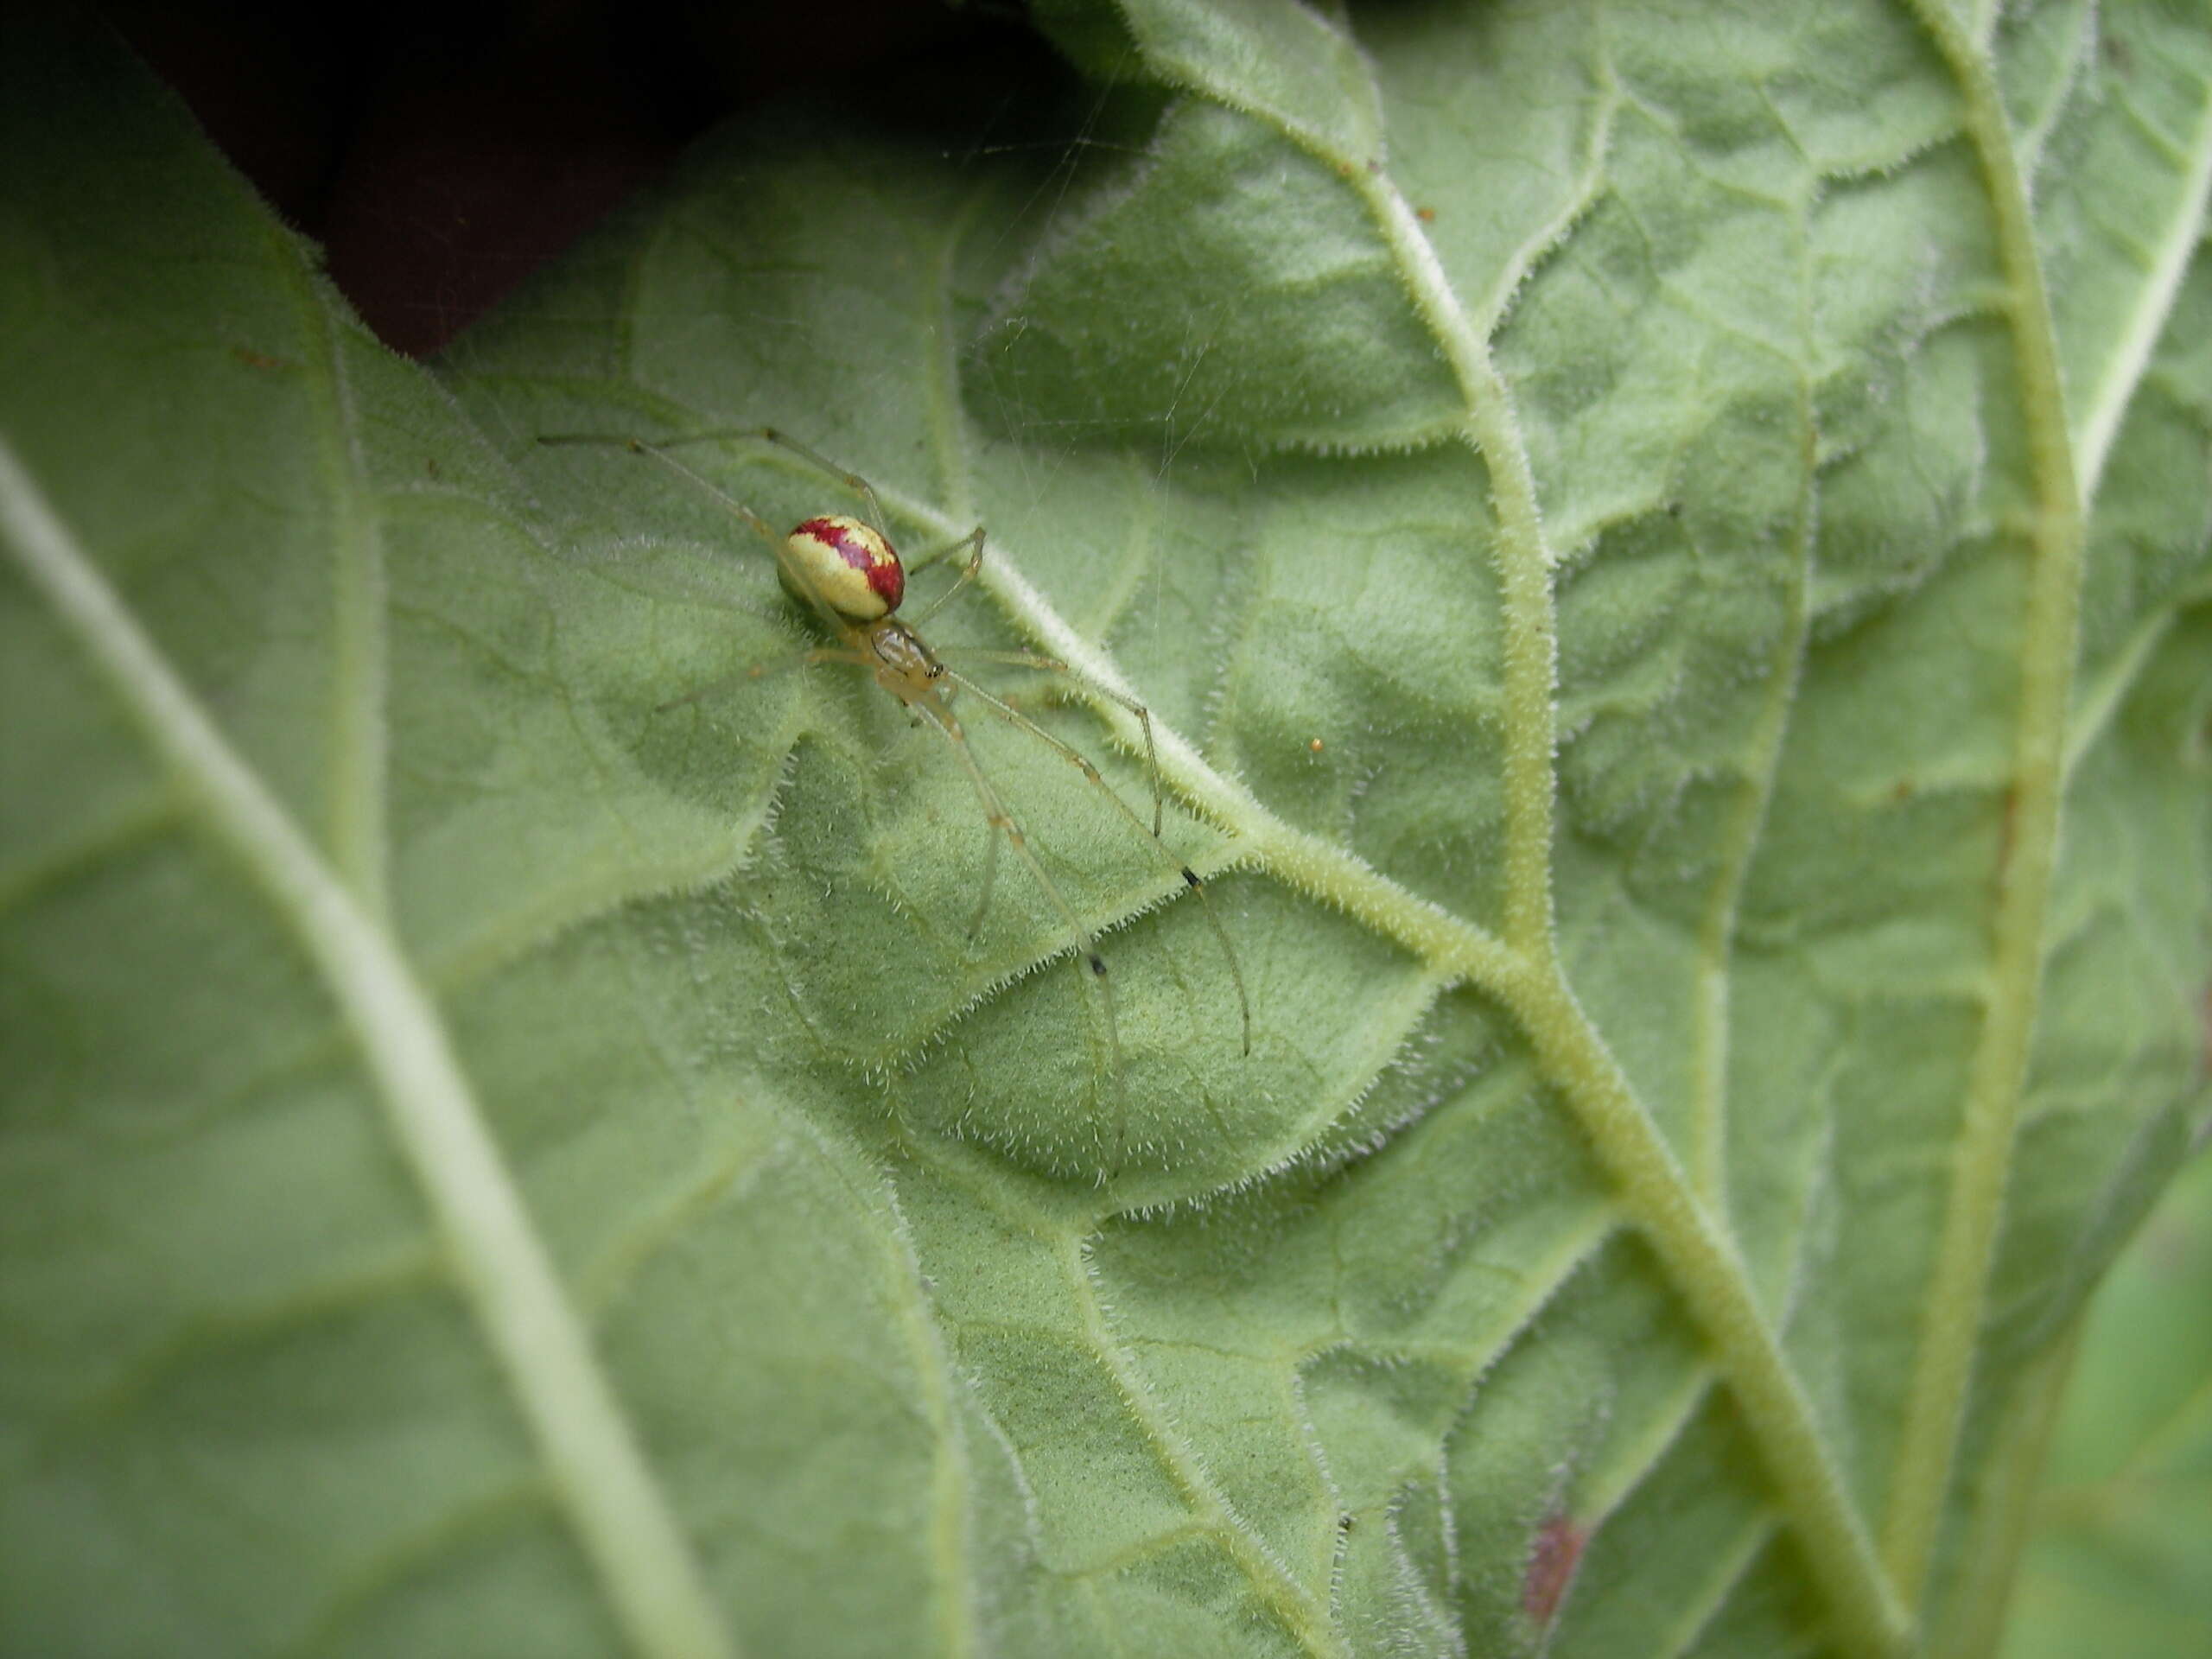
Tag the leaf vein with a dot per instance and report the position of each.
(2107, 403)
(1305, 1617)
(1959, 1284)
(607, 1490)
(1523, 969)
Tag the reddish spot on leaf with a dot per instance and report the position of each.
(1551, 1567)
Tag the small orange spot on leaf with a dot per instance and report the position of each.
(1551, 1567)
(254, 359)
(1427, 215)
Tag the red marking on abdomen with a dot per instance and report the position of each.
(886, 575)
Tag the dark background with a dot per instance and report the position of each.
(442, 152)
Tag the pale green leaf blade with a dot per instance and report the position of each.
(2116, 1561)
(259, 1395)
(1426, 1327)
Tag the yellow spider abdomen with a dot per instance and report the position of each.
(850, 566)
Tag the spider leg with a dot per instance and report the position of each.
(1054, 666)
(1077, 758)
(973, 541)
(990, 877)
(761, 671)
(851, 480)
(658, 448)
(1002, 823)
(814, 458)
(795, 577)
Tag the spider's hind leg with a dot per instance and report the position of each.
(1097, 985)
(1076, 758)
(797, 659)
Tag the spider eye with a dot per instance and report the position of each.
(851, 567)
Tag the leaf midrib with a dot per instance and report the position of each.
(1269, 842)
(1953, 1311)
(606, 1488)
(1523, 969)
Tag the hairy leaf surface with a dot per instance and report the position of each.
(1668, 552)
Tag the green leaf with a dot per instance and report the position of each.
(1667, 555)
(2115, 1561)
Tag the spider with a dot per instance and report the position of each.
(845, 573)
